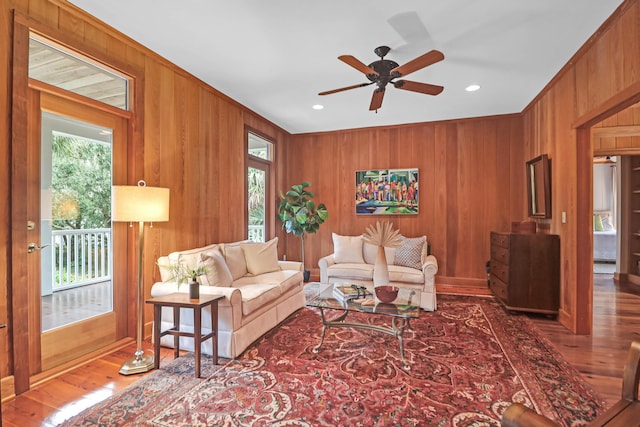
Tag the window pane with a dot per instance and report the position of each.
(257, 201)
(259, 147)
(61, 69)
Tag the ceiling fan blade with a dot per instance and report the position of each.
(422, 61)
(376, 99)
(418, 87)
(355, 63)
(329, 92)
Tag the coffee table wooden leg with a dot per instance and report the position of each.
(197, 337)
(176, 338)
(157, 314)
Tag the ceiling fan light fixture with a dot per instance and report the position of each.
(472, 88)
(384, 71)
(317, 107)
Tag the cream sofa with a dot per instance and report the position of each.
(259, 292)
(410, 266)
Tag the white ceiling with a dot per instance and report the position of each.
(275, 56)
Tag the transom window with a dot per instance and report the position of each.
(54, 65)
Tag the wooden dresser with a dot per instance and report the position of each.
(525, 271)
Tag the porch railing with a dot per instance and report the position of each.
(80, 257)
(256, 233)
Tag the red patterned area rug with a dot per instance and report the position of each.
(468, 361)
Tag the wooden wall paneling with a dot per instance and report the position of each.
(517, 175)
(191, 161)
(451, 175)
(94, 37)
(495, 179)
(624, 117)
(423, 148)
(70, 22)
(208, 223)
(43, 11)
(444, 138)
(326, 192)
(232, 173)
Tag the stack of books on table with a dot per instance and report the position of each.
(344, 293)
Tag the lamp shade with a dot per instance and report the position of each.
(139, 203)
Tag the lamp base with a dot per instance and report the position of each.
(137, 364)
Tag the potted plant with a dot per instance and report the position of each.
(182, 272)
(299, 214)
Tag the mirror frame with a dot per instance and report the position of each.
(539, 187)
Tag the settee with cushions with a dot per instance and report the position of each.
(259, 292)
(410, 265)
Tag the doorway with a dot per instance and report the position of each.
(70, 171)
(606, 199)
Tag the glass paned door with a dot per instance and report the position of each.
(77, 298)
(75, 231)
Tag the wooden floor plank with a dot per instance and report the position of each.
(598, 357)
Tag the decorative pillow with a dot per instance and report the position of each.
(410, 253)
(597, 223)
(261, 257)
(371, 252)
(218, 273)
(234, 255)
(347, 249)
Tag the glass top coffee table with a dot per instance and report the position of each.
(403, 308)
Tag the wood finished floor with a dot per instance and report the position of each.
(599, 357)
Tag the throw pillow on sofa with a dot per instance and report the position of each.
(261, 257)
(234, 256)
(410, 253)
(347, 249)
(217, 273)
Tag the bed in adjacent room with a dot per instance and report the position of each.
(605, 239)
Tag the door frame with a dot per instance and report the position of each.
(131, 165)
(581, 322)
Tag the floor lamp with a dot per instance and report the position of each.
(142, 204)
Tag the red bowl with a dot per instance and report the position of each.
(386, 293)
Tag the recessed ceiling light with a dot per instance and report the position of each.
(318, 107)
(472, 88)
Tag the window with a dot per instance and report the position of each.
(259, 208)
(67, 70)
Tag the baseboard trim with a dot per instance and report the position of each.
(462, 286)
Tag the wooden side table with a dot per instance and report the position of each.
(178, 301)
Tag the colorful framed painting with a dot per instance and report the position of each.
(387, 192)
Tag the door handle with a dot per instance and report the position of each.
(34, 247)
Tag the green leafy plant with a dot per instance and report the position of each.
(181, 272)
(298, 212)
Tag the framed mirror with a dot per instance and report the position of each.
(539, 187)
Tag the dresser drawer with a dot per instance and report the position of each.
(500, 254)
(499, 288)
(500, 240)
(500, 270)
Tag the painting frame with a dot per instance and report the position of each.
(387, 191)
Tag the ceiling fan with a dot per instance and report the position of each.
(385, 71)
